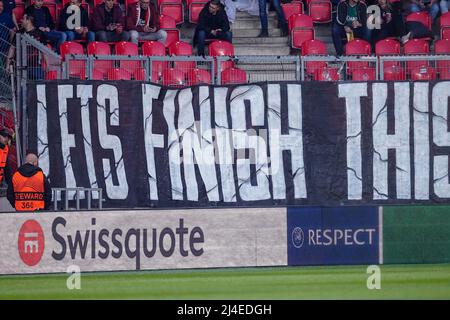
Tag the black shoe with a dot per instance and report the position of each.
(263, 34)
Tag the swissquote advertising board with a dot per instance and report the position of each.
(142, 240)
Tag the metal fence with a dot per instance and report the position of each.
(180, 71)
(171, 71)
(76, 199)
(415, 68)
(8, 114)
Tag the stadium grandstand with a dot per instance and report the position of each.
(296, 152)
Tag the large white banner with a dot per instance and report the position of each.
(138, 240)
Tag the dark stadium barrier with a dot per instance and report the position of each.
(219, 238)
(416, 234)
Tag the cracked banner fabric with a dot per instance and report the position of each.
(313, 143)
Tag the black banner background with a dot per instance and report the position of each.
(324, 146)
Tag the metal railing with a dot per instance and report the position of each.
(166, 70)
(258, 68)
(415, 67)
(180, 71)
(60, 193)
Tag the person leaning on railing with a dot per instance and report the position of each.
(34, 69)
(43, 20)
(30, 189)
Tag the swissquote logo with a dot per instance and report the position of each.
(31, 242)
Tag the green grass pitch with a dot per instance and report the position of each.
(330, 282)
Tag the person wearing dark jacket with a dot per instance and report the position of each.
(6, 136)
(43, 21)
(30, 189)
(351, 18)
(68, 24)
(108, 22)
(212, 24)
(142, 22)
(34, 68)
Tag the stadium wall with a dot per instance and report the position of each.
(419, 234)
(216, 238)
(142, 240)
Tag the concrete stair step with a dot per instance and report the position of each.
(245, 15)
(263, 50)
(323, 30)
(253, 33)
(253, 24)
(268, 40)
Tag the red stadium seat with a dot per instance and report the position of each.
(198, 76)
(320, 11)
(357, 47)
(128, 49)
(416, 47)
(314, 48)
(139, 74)
(97, 75)
(100, 48)
(394, 73)
(301, 29)
(53, 10)
(222, 48)
(173, 77)
(19, 11)
(169, 25)
(443, 66)
(326, 74)
(422, 17)
(195, 7)
(181, 48)
(364, 74)
(76, 68)
(233, 75)
(291, 8)
(51, 75)
(388, 47)
(118, 74)
(423, 73)
(155, 48)
(445, 25)
(172, 8)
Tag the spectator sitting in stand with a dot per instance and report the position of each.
(383, 26)
(43, 21)
(108, 22)
(66, 23)
(142, 22)
(350, 22)
(212, 24)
